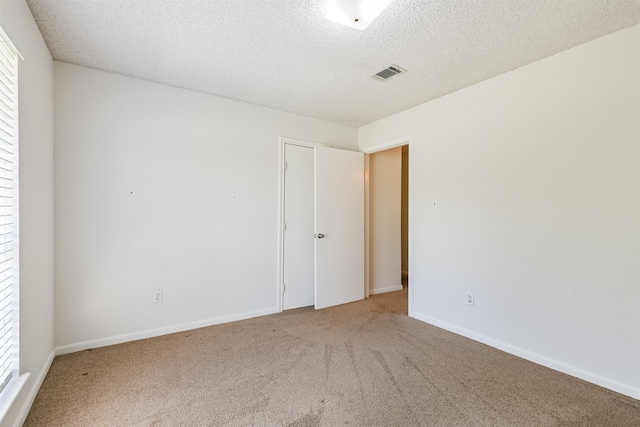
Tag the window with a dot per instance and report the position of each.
(8, 211)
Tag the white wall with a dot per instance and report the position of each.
(159, 187)
(537, 177)
(385, 194)
(404, 223)
(36, 202)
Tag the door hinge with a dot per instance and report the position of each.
(285, 226)
(286, 165)
(284, 288)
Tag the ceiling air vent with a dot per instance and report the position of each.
(390, 71)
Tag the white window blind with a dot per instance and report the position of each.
(8, 211)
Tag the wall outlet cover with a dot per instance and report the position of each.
(470, 299)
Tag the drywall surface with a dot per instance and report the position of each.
(404, 226)
(35, 80)
(164, 188)
(385, 194)
(536, 173)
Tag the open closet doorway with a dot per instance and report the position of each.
(387, 218)
(404, 216)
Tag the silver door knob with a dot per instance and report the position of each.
(320, 236)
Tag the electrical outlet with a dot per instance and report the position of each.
(157, 296)
(470, 299)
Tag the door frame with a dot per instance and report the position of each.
(284, 140)
(406, 140)
(399, 142)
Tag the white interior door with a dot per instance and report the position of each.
(339, 227)
(298, 271)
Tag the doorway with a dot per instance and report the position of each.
(364, 260)
(388, 219)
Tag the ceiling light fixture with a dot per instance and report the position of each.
(355, 13)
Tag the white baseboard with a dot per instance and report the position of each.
(387, 289)
(34, 390)
(150, 333)
(531, 356)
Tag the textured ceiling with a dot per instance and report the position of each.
(283, 54)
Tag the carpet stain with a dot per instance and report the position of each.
(309, 420)
(354, 364)
(327, 360)
(380, 358)
(441, 392)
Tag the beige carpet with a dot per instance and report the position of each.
(360, 364)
